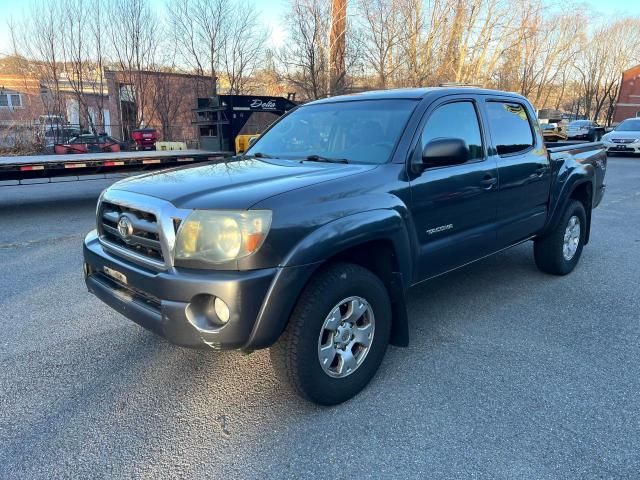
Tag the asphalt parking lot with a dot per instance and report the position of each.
(511, 373)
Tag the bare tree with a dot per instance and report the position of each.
(39, 37)
(83, 59)
(421, 40)
(200, 30)
(609, 50)
(243, 48)
(166, 107)
(623, 38)
(305, 57)
(98, 54)
(134, 41)
(383, 30)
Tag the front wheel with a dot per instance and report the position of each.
(337, 335)
(558, 252)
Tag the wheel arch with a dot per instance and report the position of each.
(380, 257)
(376, 240)
(577, 183)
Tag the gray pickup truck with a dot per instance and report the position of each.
(309, 241)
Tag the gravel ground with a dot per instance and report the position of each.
(511, 373)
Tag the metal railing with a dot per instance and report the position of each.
(33, 136)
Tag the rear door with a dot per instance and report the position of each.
(523, 169)
(453, 207)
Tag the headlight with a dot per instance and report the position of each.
(221, 236)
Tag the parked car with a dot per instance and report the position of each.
(53, 129)
(90, 143)
(584, 130)
(552, 132)
(625, 138)
(308, 242)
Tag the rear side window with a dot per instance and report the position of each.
(510, 127)
(455, 120)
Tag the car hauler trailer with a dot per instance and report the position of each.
(53, 168)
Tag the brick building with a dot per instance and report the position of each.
(164, 101)
(628, 103)
(114, 102)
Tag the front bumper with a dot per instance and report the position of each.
(622, 147)
(170, 303)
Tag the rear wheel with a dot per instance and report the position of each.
(559, 251)
(337, 335)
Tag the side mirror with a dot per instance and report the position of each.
(445, 151)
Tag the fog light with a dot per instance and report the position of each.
(207, 313)
(222, 310)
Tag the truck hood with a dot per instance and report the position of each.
(233, 185)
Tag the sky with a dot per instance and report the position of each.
(272, 14)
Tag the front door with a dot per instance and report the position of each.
(454, 207)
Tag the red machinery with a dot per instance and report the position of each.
(145, 138)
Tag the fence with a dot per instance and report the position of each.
(19, 137)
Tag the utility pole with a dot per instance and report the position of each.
(337, 47)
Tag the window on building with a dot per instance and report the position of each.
(10, 100)
(211, 131)
(510, 127)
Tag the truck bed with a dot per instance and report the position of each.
(592, 153)
(569, 146)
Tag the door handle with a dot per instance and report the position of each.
(488, 182)
(539, 172)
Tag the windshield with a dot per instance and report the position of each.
(629, 126)
(580, 123)
(364, 131)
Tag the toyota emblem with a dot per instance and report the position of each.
(125, 227)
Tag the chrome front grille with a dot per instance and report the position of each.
(144, 239)
(152, 224)
(622, 140)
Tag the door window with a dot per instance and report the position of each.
(455, 120)
(510, 127)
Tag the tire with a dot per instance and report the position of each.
(549, 251)
(296, 355)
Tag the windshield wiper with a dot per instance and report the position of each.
(320, 158)
(258, 155)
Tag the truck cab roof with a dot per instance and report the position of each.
(414, 94)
